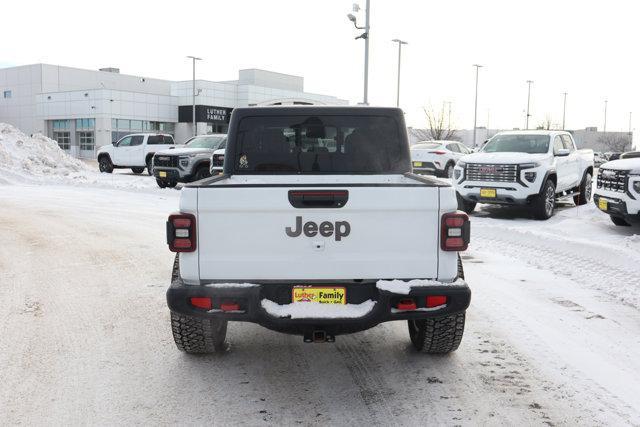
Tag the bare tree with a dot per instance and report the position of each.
(546, 124)
(439, 125)
(616, 143)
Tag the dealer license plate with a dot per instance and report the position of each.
(328, 295)
(603, 204)
(417, 164)
(162, 174)
(488, 193)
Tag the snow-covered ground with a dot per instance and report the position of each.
(551, 337)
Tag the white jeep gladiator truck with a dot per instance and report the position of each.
(318, 227)
(133, 151)
(617, 190)
(531, 168)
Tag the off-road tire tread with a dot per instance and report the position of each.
(439, 335)
(196, 335)
(538, 203)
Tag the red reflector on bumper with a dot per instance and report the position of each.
(407, 304)
(201, 302)
(436, 300)
(229, 306)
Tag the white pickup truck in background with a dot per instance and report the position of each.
(531, 168)
(133, 151)
(618, 190)
(317, 227)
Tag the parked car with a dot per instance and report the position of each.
(598, 159)
(297, 234)
(531, 168)
(133, 151)
(437, 157)
(630, 155)
(190, 162)
(614, 156)
(617, 190)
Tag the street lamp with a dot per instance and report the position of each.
(364, 36)
(528, 100)
(475, 108)
(400, 43)
(564, 109)
(193, 87)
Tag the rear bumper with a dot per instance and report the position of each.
(251, 301)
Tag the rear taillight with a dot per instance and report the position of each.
(455, 231)
(181, 232)
(438, 152)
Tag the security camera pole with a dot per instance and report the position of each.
(193, 110)
(400, 43)
(528, 99)
(364, 36)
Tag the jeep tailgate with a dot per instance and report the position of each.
(393, 232)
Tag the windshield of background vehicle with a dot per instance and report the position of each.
(531, 144)
(321, 145)
(213, 142)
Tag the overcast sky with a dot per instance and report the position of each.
(586, 48)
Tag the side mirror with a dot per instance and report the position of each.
(114, 143)
(563, 152)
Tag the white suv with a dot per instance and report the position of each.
(133, 151)
(437, 157)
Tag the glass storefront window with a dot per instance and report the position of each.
(136, 125)
(86, 140)
(63, 139)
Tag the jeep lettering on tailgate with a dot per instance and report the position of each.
(325, 229)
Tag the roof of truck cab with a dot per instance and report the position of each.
(295, 110)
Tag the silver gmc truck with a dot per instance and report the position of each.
(189, 163)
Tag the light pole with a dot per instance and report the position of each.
(564, 109)
(364, 36)
(605, 115)
(400, 43)
(528, 100)
(449, 116)
(475, 108)
(193, 86)
(630, 132)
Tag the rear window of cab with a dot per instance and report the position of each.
(318, 144)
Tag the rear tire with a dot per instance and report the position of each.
(137, 171)
(465, 205)
(585, 191)
(619, 221)
(105, 165)
(161, 183)
(438, 335)
(150, 165)
(545, 203)
(197, 335)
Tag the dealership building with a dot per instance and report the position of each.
(85, 109)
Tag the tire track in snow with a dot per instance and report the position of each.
(611, 271)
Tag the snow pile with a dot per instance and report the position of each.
(316, 310)
(38, 160)
(25, 158)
